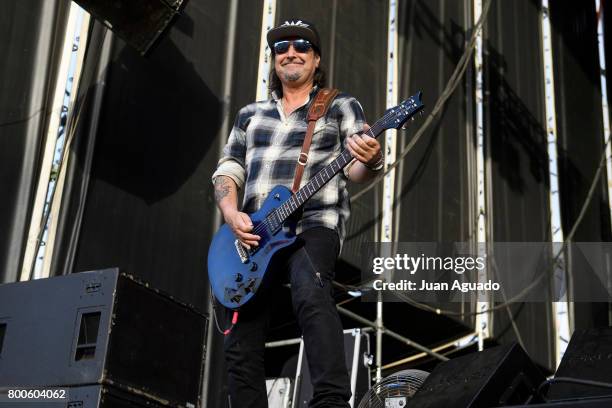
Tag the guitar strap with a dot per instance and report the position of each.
(317, 110)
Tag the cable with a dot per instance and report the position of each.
(572, 381)
(538, 279)
(227, 331)
(452, 83)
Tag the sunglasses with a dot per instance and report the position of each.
(300, 45)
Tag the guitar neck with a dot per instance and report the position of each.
(286, 209)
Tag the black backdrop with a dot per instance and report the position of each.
(580, 130)
(516, 151)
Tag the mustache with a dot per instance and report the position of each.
(293, 61)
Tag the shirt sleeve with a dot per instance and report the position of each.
(232, 162)
(351, 120)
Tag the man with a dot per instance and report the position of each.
(261, 153)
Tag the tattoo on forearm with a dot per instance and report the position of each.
(222, 188)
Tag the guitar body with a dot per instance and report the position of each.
(234, 282)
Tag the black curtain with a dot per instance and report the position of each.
(432, 183)
(580, 139)
(31, 39)
(516, 149)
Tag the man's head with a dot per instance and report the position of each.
(296, 51)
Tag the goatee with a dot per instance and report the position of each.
(292, 77)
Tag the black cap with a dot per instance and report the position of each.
(295, 28)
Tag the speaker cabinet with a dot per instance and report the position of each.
(104, 328)
(495, 377)
(137, 22)
(588, 357)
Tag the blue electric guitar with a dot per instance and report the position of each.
(236, 273)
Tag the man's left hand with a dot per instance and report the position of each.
(364, 148)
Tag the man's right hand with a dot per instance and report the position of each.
(241, 226)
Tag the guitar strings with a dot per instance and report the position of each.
(262, 226)
(265, 224)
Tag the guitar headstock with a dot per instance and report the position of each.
(394, 118)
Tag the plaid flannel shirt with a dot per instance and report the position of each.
(264, 145)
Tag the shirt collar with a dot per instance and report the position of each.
(313, 91)
(279, 103)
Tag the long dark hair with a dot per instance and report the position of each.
(275, 84)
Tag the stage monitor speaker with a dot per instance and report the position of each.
(101, 327)
(495, 377)
(138, 22)
(588, 357)
(358, 359)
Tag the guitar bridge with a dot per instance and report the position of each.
(242, 253)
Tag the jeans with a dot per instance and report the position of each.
(315, 251)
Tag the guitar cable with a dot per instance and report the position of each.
(234, 321)
(234, 318)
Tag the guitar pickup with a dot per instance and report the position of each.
(242, 253)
